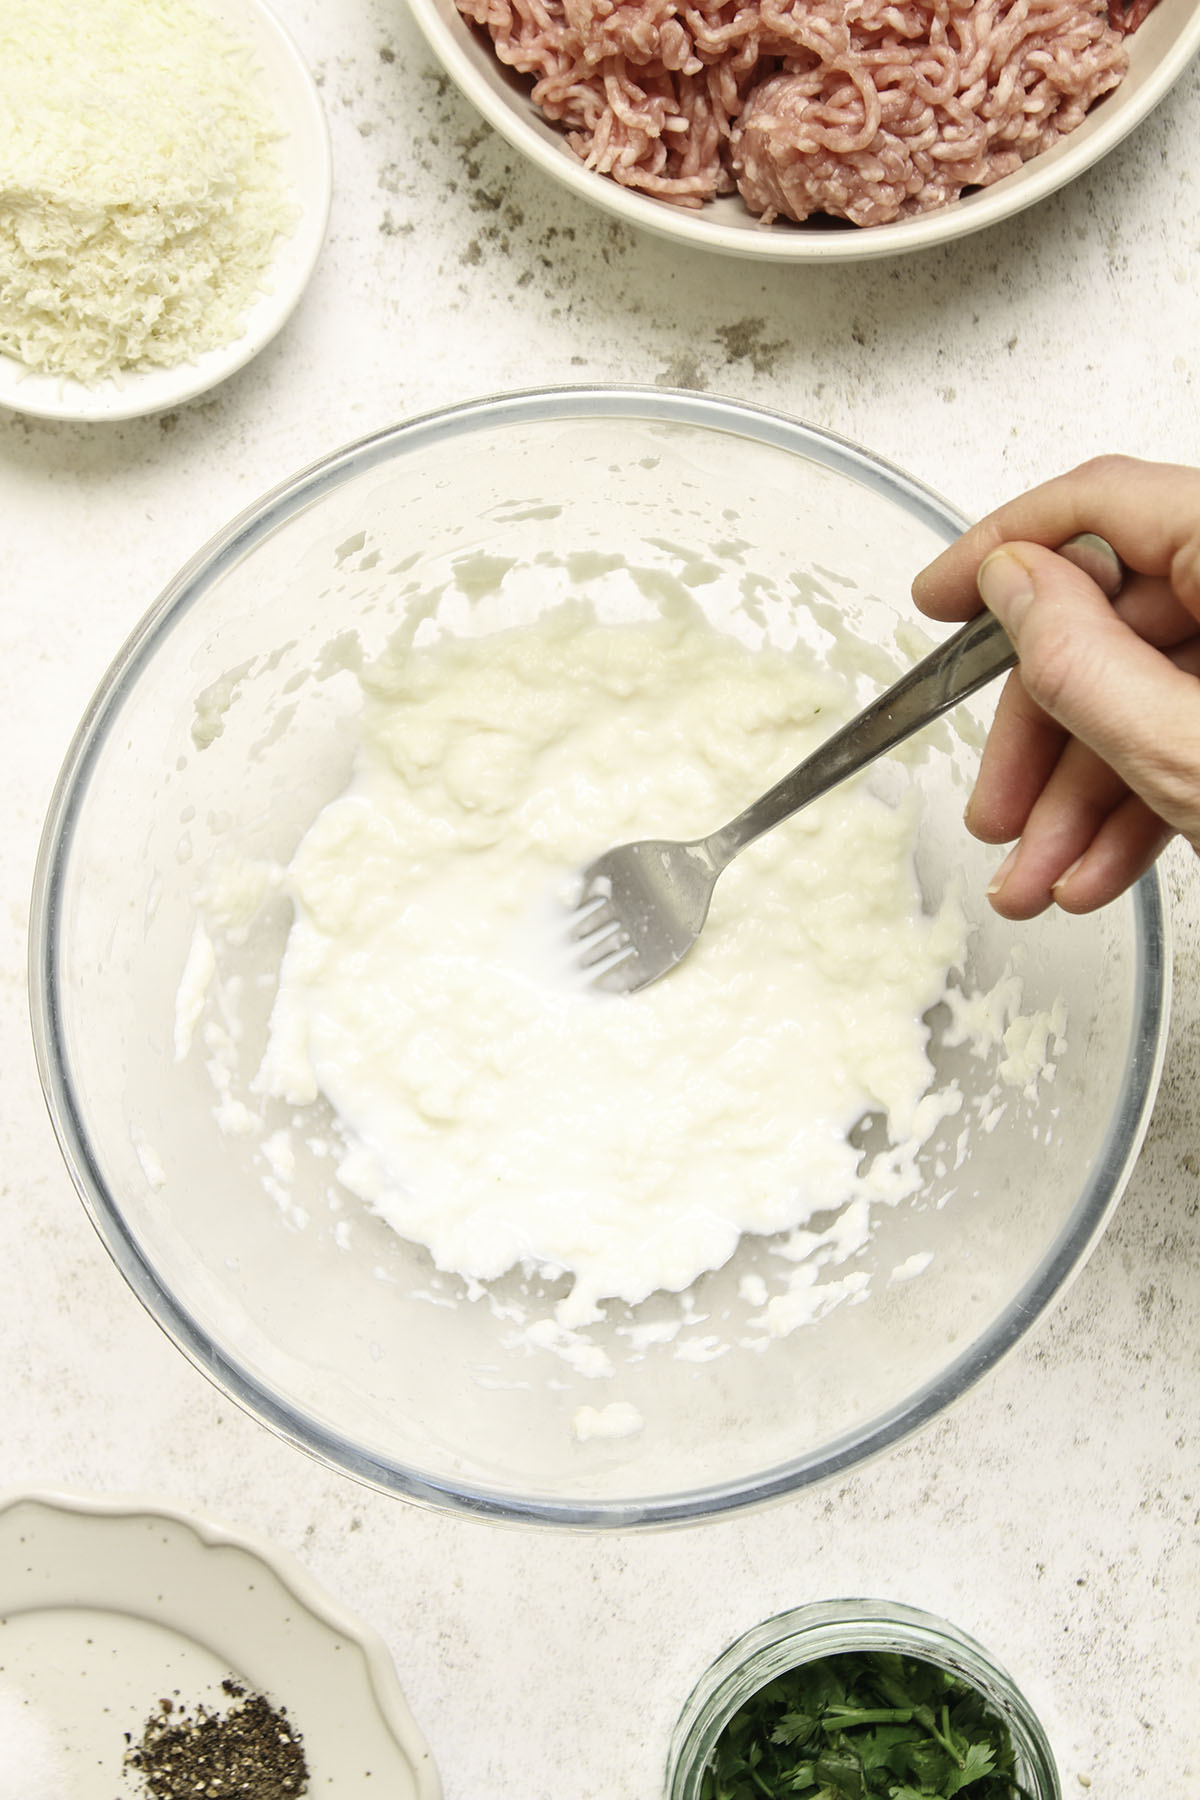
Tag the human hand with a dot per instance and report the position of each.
(1093, 760)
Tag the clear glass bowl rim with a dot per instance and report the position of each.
(824, 1628)
(264, 517)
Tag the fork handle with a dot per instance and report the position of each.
(962, 664)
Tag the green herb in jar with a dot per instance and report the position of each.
(869, 1726)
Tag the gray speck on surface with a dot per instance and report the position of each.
(746, 341)
(683, 370)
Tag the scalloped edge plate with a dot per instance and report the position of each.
(308, 169)
(108, 1604)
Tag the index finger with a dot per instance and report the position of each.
(1149, 513)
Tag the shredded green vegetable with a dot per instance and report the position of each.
(869, 1726)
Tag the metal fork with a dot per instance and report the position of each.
(641, 907)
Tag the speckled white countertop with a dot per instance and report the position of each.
(1056, 1512)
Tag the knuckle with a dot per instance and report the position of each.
(1173, 779)
(1185, 571)
(1110, 468)
(1051, 662)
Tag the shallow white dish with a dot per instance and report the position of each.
(1159, 52)
(308, 171)
(108, 1604)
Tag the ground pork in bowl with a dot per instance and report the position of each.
(816, 131)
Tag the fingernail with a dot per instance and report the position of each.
(1003, 872)
(1005, 586)
(1097, 558)
(1065, 876)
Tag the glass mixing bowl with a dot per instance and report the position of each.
(229, 718)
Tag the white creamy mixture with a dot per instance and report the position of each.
(495, 1109)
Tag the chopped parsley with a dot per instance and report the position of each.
(867, 1726)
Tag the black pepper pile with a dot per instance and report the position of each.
(249, 1752)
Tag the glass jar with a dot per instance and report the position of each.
(833, 1628)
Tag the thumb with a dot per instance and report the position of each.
(1084, 667)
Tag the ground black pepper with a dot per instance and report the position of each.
(251, 1751)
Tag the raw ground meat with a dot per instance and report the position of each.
(866, 109)
(900, 110)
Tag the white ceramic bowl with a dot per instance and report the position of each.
(223, 726)
(1159, 52)
(308, 171)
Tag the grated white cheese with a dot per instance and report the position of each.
(141, 187)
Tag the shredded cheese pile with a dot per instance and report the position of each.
(141, 187)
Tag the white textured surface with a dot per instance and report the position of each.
(1054, 1512)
